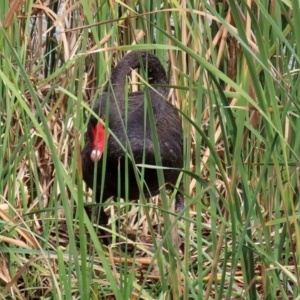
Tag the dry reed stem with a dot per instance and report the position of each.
(14, 7)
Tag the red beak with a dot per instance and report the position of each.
(98, 133)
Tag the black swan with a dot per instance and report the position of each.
(168, 126)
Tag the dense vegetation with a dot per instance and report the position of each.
(234, 76)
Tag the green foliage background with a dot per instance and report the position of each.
(234, 74)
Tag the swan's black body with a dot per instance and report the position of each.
(168, 128)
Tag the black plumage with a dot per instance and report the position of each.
(112, 105)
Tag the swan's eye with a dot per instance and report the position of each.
(102, 117)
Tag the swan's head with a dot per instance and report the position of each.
(98, 141)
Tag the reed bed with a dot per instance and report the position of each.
(234, 77)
